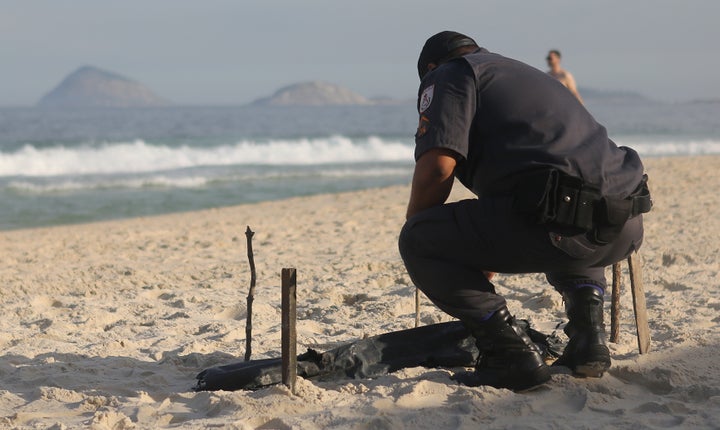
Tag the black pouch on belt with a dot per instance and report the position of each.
(576, 203)
(614, 213)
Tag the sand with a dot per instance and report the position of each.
(106, 325)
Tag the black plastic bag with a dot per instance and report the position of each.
(437, 345)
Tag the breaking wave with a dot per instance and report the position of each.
(143, 157)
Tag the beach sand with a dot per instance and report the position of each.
(106, 325)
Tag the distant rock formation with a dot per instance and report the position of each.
(313, 94)
(709, 101)
(390, 101)
(614, 96)
(92, 87)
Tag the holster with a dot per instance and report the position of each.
(535, 194)
(554, 198)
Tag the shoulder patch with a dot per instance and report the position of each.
(426, 98)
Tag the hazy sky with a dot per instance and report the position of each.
(231, 52)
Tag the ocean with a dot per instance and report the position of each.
(67, 166)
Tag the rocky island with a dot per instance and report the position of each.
(92, 87)
(313, 93)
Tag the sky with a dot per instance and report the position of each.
(222, 52)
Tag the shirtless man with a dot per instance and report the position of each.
(562, 75)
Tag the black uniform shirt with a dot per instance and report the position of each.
(504, 118)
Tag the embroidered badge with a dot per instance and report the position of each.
(426, 98)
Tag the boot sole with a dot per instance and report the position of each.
(540, 377)
(532, 380)
(531, 389)
(594, 369)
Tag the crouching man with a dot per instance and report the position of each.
(554, 195)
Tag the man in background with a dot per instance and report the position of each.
(556, 71)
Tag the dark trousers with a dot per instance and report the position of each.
(447, 248)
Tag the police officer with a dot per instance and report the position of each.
(555, 196)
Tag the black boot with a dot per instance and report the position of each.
(508, 358)
(586, 354)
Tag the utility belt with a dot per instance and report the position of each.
(556, 199)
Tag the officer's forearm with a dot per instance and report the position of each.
(430, 196)
(432, 181)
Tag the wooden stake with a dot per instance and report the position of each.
(615, 303)
(417, 307)
(638, 294)
(288, 331)
(251, 295)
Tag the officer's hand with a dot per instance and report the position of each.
(489, 275)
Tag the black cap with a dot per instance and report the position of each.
(439, 47)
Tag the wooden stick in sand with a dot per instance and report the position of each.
(615, 303)
(288, 329)
(638, 294)
(251, 295)
(417, 307)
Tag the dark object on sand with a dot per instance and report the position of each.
(437, 345)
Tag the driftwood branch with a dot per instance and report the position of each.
(251, 295)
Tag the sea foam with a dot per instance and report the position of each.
(140, 156)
